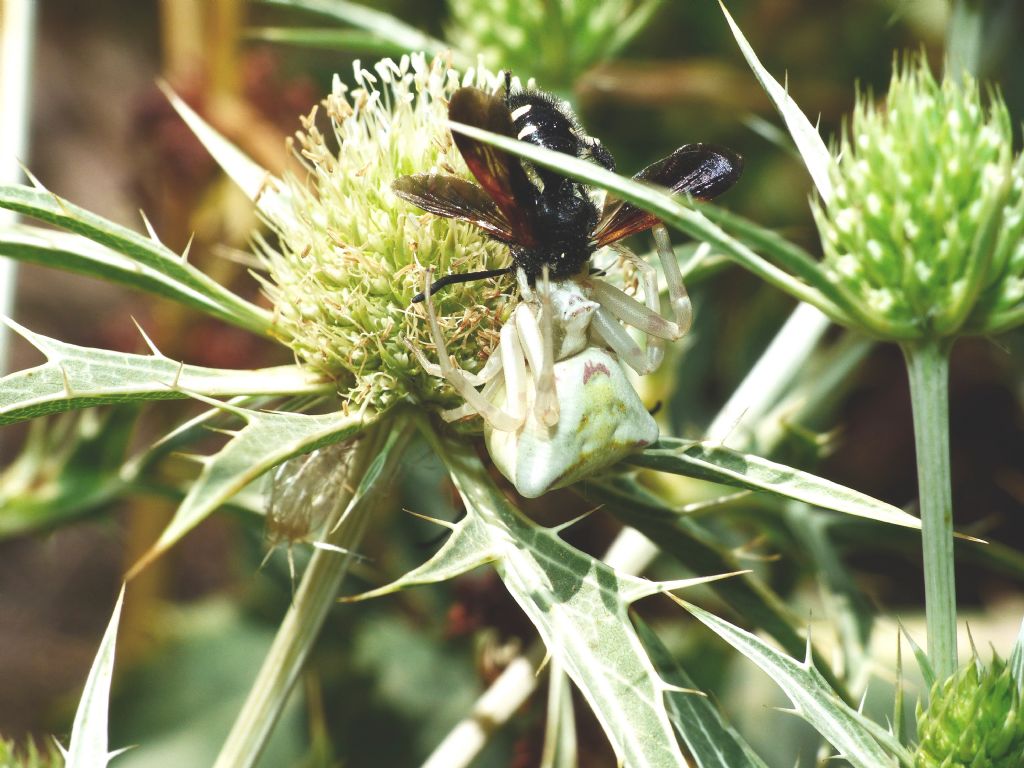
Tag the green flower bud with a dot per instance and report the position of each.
(555, 42)
(30, 755)
(923, 235)
(350, 255)
(974, 720)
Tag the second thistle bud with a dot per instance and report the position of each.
(923, 235)
(974, 720)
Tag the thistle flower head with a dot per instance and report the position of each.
(923, 235)
(351, 255)
(974, 720)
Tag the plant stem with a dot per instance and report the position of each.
(928, 371)
(317, 593)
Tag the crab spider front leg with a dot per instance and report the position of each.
(490, 370)
(618, 305)
(537, 338)
(459, 379)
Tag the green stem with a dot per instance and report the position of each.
(928, 371)
(317, 593)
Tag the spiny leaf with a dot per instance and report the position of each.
(711, 740)
(265, 441)
(579, 607)
(88, 747)
(714, 462)
(467, 547)
(155, 258)
(811, 696)
(699, 550)
(76, 253)
(257, 183)
(81, 377)
(808, 141)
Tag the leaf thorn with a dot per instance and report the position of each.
(436, 521)
(145, 337)
(69, 391)
(176, 384)
(557, 529)
(188, 247)
(149, 227)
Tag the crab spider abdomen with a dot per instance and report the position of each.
(601, 420)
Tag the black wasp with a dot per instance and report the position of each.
(543, 217)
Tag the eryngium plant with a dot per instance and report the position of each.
(923, 234)
(331, 242)
(350, 255)
(973, 720)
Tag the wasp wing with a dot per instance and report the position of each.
(499, 173)
(703, 171)
(454, 198)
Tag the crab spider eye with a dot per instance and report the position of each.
(601, 420)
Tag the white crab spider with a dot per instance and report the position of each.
(555, 401)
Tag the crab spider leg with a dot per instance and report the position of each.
(652, 298)
(464, 410)
(524, 285)
(546, 404)
(493, 415)
(532, 340)
(632, 312)
(489, 371)
(677, 294)
(607, 329)
(514, 364)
